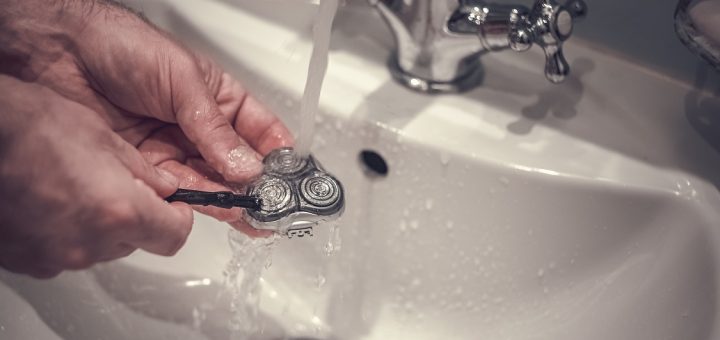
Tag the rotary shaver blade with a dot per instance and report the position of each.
(296, 195)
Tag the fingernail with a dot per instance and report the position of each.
(168, 177)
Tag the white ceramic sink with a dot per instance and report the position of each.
(519, 210)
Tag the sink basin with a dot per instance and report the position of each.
(518, 210)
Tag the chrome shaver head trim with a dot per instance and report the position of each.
(296, 194)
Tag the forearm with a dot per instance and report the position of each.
(35, 34)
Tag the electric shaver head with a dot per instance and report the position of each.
(296, 194)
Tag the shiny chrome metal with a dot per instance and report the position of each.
(296, 195)
(697, 38)
(439, 42)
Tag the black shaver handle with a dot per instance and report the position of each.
(221, 199)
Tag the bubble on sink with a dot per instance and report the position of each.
(504, 180)
(449, 225)
(541, 272)
(444, 158)
(403, 225)
(320, 280)
(429, 204)
(199, 315)
(414, 225)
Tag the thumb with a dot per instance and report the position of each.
(161, 181)
(199, 117)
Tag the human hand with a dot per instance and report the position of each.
(57, 214)
(180, 111)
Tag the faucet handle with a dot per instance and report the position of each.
(548, 25)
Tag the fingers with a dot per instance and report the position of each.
(116, 251)
(23, 266)
(247, 229)
(161, 181)
(192, 179)
(254, 122)
(171, 151)
(200, 118)
(162, 227)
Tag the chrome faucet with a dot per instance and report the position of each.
(693, 31)
(439, 42)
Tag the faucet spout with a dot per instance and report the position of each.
(428, 56)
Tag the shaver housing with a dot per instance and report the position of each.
(296, 194)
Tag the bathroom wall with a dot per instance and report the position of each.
(641, 31)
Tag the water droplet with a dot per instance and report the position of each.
(444, 158)
(414, 224)
(334, 240)
(504, 180)
(429, 203)
(320, 280)
(449, 225)
(541, 272)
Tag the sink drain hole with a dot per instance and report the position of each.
(373, 163)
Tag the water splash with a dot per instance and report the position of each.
(242, 280)
(334, 242)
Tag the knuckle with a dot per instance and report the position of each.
(76, 258)
(120, 212)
